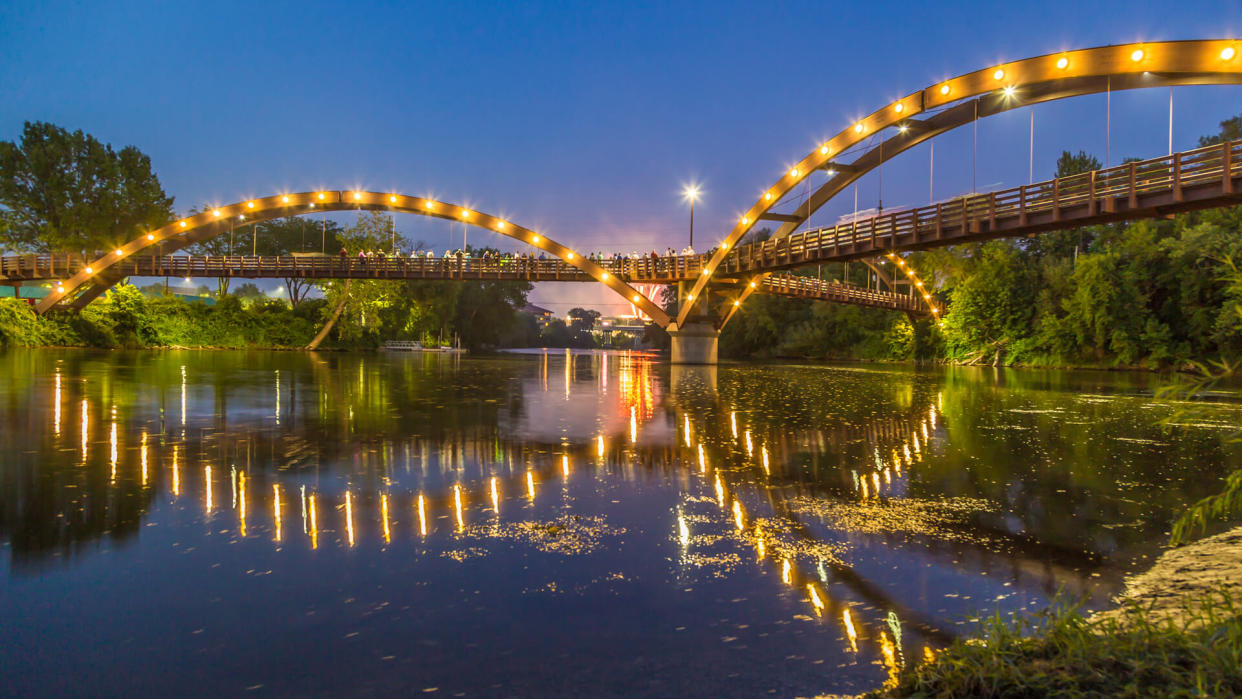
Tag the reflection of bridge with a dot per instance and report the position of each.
(713, 288)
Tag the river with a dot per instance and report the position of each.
(182, 523)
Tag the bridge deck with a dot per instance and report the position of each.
(1203, 178)
(49, 267)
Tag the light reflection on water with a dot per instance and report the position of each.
(807, 528)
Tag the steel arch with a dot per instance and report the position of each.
(208, 224)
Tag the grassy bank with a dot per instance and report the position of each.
(1065, 653)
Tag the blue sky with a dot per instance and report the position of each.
(582, 120)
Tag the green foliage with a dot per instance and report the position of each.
(1062, 653)
(67, 191)
(18, 324)
(128, 316)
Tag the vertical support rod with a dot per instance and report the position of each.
(1170, 120)
(1108, 122)
(1030, 176)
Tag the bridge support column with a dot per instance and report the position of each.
(696, 343)
(697, 340)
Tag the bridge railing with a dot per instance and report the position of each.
(792, 285)
(1097, 190)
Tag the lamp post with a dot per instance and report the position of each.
(691, 193)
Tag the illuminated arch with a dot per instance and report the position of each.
(994, 89)
(215, 221)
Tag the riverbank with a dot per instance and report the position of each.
(1177, 631)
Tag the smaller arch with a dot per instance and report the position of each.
(94, 279)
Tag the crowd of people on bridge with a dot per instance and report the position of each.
(490, 255)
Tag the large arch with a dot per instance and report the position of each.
(966, 98)
(95, 278)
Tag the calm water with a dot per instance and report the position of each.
(195, 523)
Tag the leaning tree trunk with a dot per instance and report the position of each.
(327, 327)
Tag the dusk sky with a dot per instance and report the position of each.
(582, 120)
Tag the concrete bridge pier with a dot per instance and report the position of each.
(697, 340)
(696, 343)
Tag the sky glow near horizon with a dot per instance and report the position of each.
(580, 120)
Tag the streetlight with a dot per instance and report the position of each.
(691, 193)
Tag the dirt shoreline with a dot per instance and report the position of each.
(1183, 576)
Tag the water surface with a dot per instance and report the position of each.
(590, 524)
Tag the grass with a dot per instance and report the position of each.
(1063, 653)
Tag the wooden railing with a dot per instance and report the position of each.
(832, 290)
(61, 265)
(1195, 179)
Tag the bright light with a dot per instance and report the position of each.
(858, 127)
(752, 283)
(150, 236)
(691, 192)
(1137, 55)
(793, 172)
(60, 289)
(535, 239)
(183, 224)
(604, 277)
(465, 213)
(999, 74)
(500, 225)
(831, 172)
(119, 252)
(823, 150)
(737, 303)
(745, 220)
(321, 196)
(1227, 54)
(767, 196)
(284, 200)
(569, 256)
(392, 199)
(1062, 63)
(903, 128)
(249, 205)
(241, 217)
(899, 107)
(215, 212)
(689, 297)
(187, 280)
(636, 297)
(429, 205)
(944, 89)
(357, 196)
(90, 270)
(724, 245)
(1009, 90)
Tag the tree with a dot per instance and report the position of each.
(1066, 243)
(285, 236)
(581, 324)
(68, 191)
(366, 312)
(249, 292)
(1230, 130)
